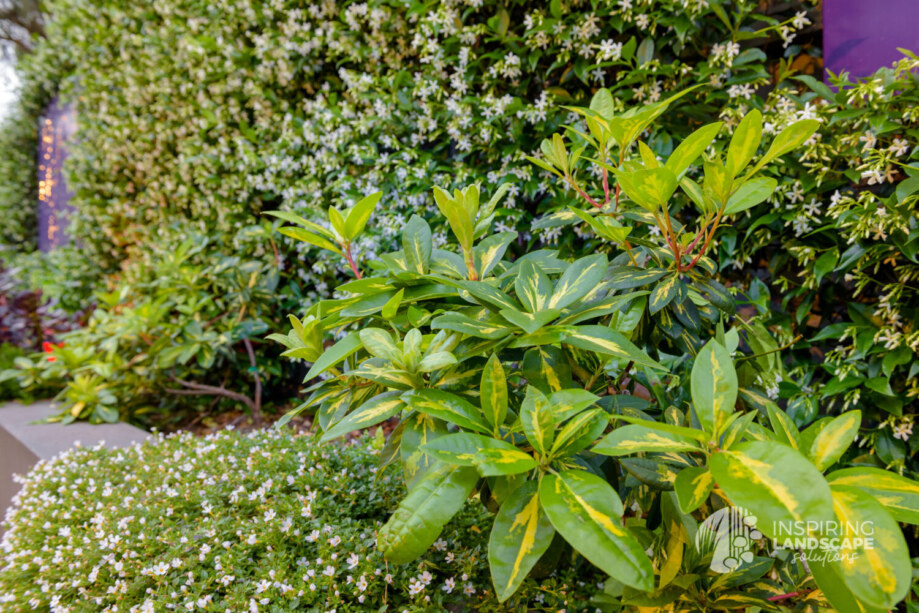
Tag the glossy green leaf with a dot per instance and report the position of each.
(417, 244)
(693, 486)
(377, 409)
(379, 343)
(750, 194)
(533, 287)
(311, 238)
(774, 482)
(520, 535)
(877, 572)
(636, 438)
(538, 422)
(493, 392)
(359, 214)
(334, 354)
(834, 439)
(609, 342)
(578, 280)
(713, 387)
(421, 515)
(448, 407)
(585, 510)
(495, 461)
(692, 147)
(899, 495)
(744, 142)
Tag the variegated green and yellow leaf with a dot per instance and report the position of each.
(899, 495)
(775, 482)
(377, 409)
(460, 447)
(520, 535)
(582, 430)
(875, 566)
(576, 282)
(378, 370)
(783, 426)
(458, 322)
(505, 459)
(493, 392)
(833, 440)
(586, 510)
(627, 277)
(448, 407)
(536, 418)
(667, 290)
(693, 487)
(532, 286)
(417, 244)
(627, 440)
(490, 250)
(713, 386)
(609, 342)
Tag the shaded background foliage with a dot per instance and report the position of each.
(213, 112)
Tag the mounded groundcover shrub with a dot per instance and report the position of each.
(231, 522)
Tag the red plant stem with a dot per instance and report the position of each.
(785, 596)
(357, 273)
(616, 208)
(582, 193)
(709, 235)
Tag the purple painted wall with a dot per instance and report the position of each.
(860, 36)
(56, 127)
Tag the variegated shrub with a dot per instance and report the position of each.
(556, 391)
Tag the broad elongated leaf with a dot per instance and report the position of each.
(529, 322)
(586, 511)
(417, 245)
(533, 287)
(567, 403)
(538, 422)
(776, 483)
(714, 386)
(834, 439)
(692, 147)
(493, 392)
(745, 142)
(421, 515)
(312, 238)
(899, 495)
(417, 431)
(334, 354)
(359, 214)
(461, 447)
(669, 289)
(580, 432)
(520, 535)
(682, 431)
(379, 343)
(693, 486)
(490, 250)
(448, 407)
(473, 327)
(877, 573)
(635, 438)
(750, 194)
(628, 277)
(503, 460)
(377, 409)
(790, 138)
(379, 371)
(581, 278)
(649, 187)
(609, 342)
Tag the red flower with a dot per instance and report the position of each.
(49, 348)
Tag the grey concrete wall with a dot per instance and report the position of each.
(23, 441)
